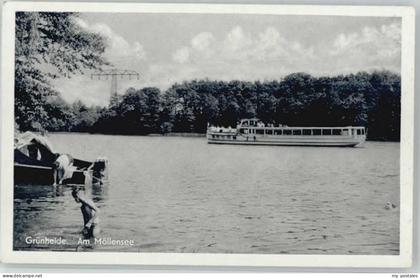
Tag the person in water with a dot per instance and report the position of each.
(90, 214)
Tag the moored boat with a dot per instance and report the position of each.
(254, 132)
(36, 163)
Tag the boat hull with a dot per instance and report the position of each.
(35, 163)
(42, 175)
(322, 141)
(33, 174)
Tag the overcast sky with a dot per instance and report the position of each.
(169, 48)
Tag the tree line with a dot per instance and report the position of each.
(363, 99)
(299, 99)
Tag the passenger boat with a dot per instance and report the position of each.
(254, 132)
(35, 163)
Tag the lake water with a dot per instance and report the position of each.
(179, 194)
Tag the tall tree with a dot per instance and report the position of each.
(48, 45)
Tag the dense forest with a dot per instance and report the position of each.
(370, 100)
(299, 99)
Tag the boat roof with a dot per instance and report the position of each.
(29, 138)
(299, 127)
(247, 119)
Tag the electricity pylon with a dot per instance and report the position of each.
(114, 74)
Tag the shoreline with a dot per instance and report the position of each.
(172, 134)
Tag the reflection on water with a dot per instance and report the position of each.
(173, 194)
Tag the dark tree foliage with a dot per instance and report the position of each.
(61, 116)
(362, 99)
(84, 117)
(49, 45)
(137, 112)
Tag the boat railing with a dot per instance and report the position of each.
(270, 129)
(315, 131)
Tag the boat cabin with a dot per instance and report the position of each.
(255, 126)
(254, 122)
(307, 131)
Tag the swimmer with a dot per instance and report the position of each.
(90, 213)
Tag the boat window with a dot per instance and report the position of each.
(336, 132)
(212, 136)
(363, 131)
(260, 131)
(345, 132)
(278, 132)
(234, 137)
(326, 132)
(316, 131)
(306, 132)
(297, 132)
(359, 131)
(287, 132)
(269, 131)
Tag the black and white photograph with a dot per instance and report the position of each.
(210, 131)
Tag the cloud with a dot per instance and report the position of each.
(385, 37)
(181, 55)
(117, 48)
(202, 41)
(239, 45)
(370, 48)
(241, 54)
(200, 48)
(237, 40)
(268, 54)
